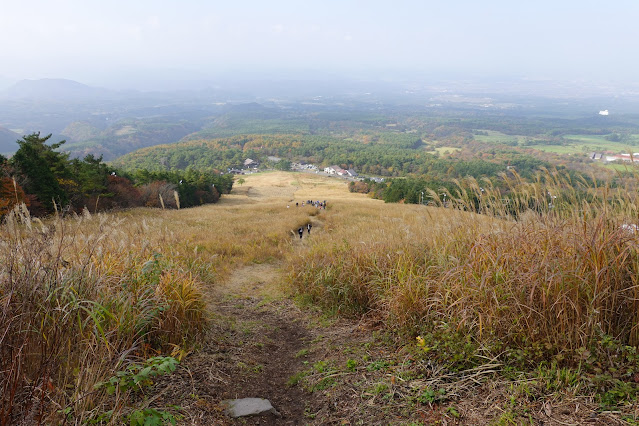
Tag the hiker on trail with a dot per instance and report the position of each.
(308, 227)
(301, 232)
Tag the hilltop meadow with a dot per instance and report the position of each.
(384, 313)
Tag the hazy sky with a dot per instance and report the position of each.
(90, 40)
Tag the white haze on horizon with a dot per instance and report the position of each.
(103, 42)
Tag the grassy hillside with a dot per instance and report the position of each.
(126, 286)
(465, 307)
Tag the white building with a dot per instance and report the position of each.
(335, 170)
(623, 157)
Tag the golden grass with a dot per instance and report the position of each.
(549, 285)
(296, 186)
(84, 296)
(87, 294)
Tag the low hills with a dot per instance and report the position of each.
(53, 89)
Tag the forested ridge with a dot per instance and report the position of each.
(47, 180)
(383, 154)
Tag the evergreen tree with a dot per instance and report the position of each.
(43, 169)
(91, 176)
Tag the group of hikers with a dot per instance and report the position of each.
(317, 204)
(301, 230)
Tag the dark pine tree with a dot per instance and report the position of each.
(43, 170)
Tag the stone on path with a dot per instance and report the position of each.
(248, 407)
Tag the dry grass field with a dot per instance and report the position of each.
(383, 314)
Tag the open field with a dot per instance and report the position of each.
(443, 150)
(589, 143)
(621, 167)
(428, 314)
(575, 144)
(277, 186)
(499, 137)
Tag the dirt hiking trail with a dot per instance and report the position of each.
(258, 344)
(250, 351)
(258, 340)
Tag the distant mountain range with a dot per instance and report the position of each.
(5, 82)
(111, 123)
(53, 89)
(97, 120)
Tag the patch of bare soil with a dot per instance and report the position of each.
(249, 351)
(261, 345)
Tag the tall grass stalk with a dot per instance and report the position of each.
(81, 298)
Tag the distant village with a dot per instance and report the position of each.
(253, 166)
(609, 158)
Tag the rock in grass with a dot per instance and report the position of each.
(248, 407)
